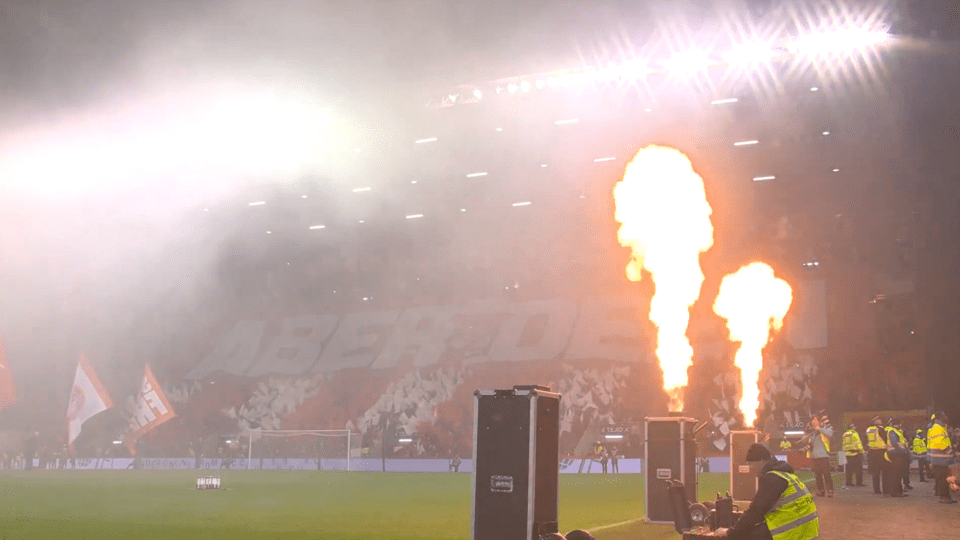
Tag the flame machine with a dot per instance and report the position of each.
(516, 447)
(670, 454)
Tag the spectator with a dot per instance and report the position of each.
(604, 457)
(613, 460)
(579, 534)
(820, 435)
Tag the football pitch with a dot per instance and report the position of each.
(145, 505)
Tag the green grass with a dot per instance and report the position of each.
(145, 505)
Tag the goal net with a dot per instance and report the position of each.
(322, 449)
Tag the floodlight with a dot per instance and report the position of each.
(838, 41)
(750, 53)
(688, 61)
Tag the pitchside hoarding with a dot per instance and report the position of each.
(567, 466)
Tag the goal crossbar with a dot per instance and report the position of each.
(251, 433)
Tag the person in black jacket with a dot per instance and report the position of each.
(752, 525)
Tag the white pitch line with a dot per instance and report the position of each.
(615, 525)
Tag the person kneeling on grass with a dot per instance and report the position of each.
(782, 509)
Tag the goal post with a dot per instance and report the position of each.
(299, 446)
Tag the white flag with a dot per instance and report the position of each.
(153, 409)
(87, 398)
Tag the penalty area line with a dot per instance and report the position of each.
(615, 525)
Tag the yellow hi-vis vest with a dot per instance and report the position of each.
(919, 446)
(890, 447)
(874, 442)
(794, 516)
(851, 443)
(938, 445)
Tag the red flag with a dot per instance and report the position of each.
(8, 394)
(153, 409)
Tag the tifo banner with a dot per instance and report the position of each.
(87, 398)
(597, 328)
(153, 409)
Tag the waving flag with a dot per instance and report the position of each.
(87, 398)
(153, 409)
(8, 394)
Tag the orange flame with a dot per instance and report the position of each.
(665, 220)
(754, 303)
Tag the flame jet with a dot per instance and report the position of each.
(664, 218)
(754, 303)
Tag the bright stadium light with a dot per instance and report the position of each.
(476, 174)
(763, 178)
(792, 433)
(360, 189)
(688, 61)
(210, 130)
(746, 143)
(525, 86)
(405, 440)
(257, 203)
(724, 101)
(567, 121)
(635, 69)
(750, 53)
(415, 216)
(477, 93)
(602, 159)
(613, 436)
(838, 41)
(315, 227)
(428, 139)
(524, 203)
